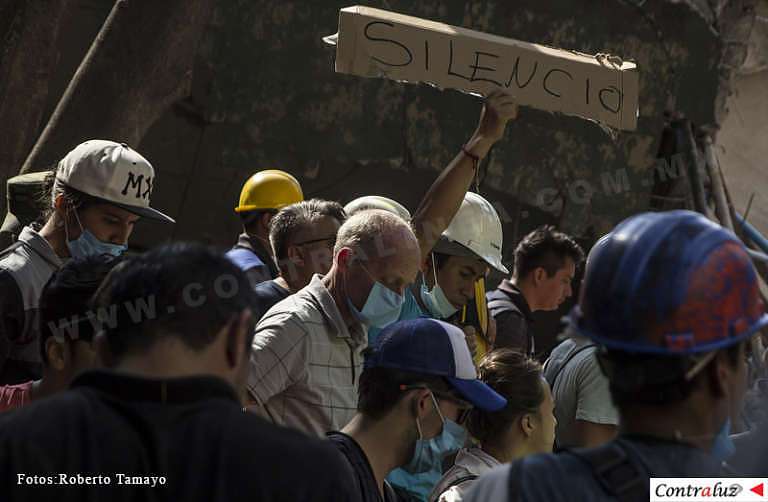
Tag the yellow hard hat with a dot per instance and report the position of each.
(270, 189)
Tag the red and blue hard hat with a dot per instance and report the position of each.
(671, 283)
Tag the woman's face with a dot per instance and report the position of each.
(543, 438)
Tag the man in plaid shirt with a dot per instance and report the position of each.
(307, 351)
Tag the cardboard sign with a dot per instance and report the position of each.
(378, 43)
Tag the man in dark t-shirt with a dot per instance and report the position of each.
(545, 264)
(418, 379)
(364, 478)
(186, 438)
(166, 421)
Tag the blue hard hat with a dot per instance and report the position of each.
(669, 283)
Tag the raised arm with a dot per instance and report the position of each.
(444, 197)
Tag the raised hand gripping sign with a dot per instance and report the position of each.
(378, 43)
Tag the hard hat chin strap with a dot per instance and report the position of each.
(699, 365)
(434, 269)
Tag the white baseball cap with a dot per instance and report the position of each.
(112, 172)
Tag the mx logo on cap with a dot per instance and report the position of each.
(113, 172)
(142, 185)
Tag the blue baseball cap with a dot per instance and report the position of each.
(433, 347)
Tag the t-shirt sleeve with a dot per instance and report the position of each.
(11, 314)
(594, 398)
(511, 330)
(278, 356)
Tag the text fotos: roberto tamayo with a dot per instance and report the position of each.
(80, 479)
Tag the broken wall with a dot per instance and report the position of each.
(266, 96)
(743, 149)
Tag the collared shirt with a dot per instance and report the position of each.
(513, 316)
(191, 432)
(564, 477)
(306, 362)
(24, 271)
(364, 479)
(470, 464)
(253, 258)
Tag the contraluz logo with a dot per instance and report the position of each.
(708, 489)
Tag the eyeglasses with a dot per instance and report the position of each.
(444, 396)
(332, 240)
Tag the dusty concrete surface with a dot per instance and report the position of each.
(265, 96)
(744, 147)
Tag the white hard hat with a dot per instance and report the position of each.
(474, 231)
(377, 202)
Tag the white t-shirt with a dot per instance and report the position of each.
(580, 391)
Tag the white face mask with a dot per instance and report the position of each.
(435, 300)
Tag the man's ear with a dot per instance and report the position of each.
(527, 425)
(423, 403)
(60, 204)
(58, 353)
(720, 373)
(266, 218)
(239, 328)
(344, 258)
(295, 255)
(539, 274)
(103, 352)
(60, 207)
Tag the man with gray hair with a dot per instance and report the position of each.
(302, 236)
(307, 350)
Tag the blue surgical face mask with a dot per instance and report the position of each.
(435, 300)
(382, 307)
(88, 245)
(437, 303)
(722, 445)
(428, 454)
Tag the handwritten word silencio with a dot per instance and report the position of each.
(492, 68)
